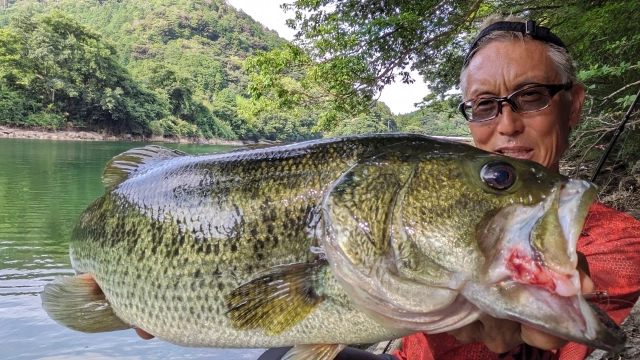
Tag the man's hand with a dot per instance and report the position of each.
(500, 335)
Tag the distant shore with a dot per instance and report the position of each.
(80, 135)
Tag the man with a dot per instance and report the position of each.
(521, 100)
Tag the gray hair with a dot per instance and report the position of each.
(559, 56)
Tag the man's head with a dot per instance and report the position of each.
(503, 62)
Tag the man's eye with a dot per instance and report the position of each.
(532, 95)
(484, 104)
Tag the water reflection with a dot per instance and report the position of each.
(44, 186)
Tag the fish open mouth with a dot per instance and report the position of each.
(532, 276)
(549, 259)
(536, 244)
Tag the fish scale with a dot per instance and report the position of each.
(251, 217)
(336, 241)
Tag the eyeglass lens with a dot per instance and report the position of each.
(522, 101)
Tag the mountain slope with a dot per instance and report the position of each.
(186, 51)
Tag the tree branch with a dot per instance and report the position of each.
(619, 90)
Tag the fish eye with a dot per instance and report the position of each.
(499, 175)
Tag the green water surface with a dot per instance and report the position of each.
(44, 186)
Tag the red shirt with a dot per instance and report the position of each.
(610, 241)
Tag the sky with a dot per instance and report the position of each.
(398, 96)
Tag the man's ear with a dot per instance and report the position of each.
(577, 99)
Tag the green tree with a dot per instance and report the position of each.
(225, 110)
(348, 50)
(202, 44)
(279, 124)
(73, 75)
(379, 120)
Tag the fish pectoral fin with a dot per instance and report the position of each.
(314, 352)
(278, 298)
(122, 166)
(79, 304)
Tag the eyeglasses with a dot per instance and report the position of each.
(530, 99)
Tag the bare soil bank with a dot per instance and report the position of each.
(34, 133)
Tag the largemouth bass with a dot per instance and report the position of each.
(326, 243)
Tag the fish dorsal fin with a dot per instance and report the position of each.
(122, 166)
(260, 145)
(278, 298)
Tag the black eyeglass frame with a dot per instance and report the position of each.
(552, 88)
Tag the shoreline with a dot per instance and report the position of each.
(9, 132)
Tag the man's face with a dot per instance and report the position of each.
(503, 67)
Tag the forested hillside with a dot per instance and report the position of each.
(133, 66)
(164, 68)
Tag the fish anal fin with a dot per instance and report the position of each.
(79, 304)
(122, 166)
(278, 298)
(314, 352)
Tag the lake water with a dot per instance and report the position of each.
(44, 186)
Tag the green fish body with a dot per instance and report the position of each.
(337, 241)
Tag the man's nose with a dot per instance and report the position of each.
(509, 122)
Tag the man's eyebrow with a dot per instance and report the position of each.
(474, 93)
(525, 83)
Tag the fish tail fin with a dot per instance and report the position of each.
(79, 304)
